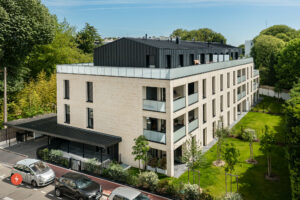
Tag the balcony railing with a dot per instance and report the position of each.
(243, 78)
(155, 136)
(178, 104)
(255, 86)
(180, 133)
(158, 106)
(241, 95)
(193, 98)
(239, 79)
(193, 125)
(255, 72)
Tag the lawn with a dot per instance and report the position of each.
(270, 105)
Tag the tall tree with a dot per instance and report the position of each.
(88, 38)
(265, 52)
(283, 32)
(202, 34)
(287, 70)
(140, 150)
(231, 156)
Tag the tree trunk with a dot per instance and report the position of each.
(230, 183)
(193, 176)
(5, 97)
(226, 181)
(268, 159)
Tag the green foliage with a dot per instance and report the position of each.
(44, 154)
(93, 166)
(116, 172)
(87, 38)
(232, 196)
(148, 180)
(283, 32)
(55, 152)
(265, 52)
(231, 155)
(202, 34)
(192, 192)
(166, 187)
(221, 133)
(287, 70)
(270, 105)
(192, 155)
(23, 25)
(162, 163)
(140, 149)
(292, 132)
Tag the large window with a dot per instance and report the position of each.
(221, 103)
(204, 137)
(168, 57)
(181, 60)
(221, 82)
(204, 114)
(204, 88)
(89, 91)
(90, 116)
(67, 114)
(67, 89)
(228, 99)
(213, 85)
(233, 78)
(214, 107)
(228, 80)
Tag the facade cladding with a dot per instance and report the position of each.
(135, 52)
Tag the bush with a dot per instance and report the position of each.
(116, 172)
(162, 163)
(55, 152)
(92, 166)
(191, 192)
(153, 162)
(44, 154)
(232, 196)
(166, 187)
(148, 180)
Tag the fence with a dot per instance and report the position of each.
(7, 134)
(270, 91)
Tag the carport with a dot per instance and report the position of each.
(47, 125)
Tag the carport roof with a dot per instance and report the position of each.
(47, 125)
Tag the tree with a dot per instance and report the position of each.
(140, 150)
(292, 127)
(62, 50)
(267, 146)
(202, 34)
(249, 135)
(242, 46)
(287, 70)
(283, 32)
(192, 156)
(265, 52)
(88, 38)
(231, 155)
(221, 133)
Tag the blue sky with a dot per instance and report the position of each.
(237, 20)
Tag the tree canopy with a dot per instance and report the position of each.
(202, 34)
(283, 32)
(88, 38)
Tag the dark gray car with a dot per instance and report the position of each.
(77, 186)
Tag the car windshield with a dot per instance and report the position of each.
(39, 167)
(83, 183)
(141, 197)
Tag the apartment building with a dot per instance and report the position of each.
(168, 91)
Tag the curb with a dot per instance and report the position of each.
(19, 154)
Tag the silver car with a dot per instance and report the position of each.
(126, 193)
(34, 172)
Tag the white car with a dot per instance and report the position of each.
(34, 172)
(126, 193)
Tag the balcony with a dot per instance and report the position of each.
(243, 78)
(158, 106)
(178, 104)
(255, 73)
(243, 94)
(193, 98)
(178, 134)
(155, 136)
(193, 125)
(239, 79)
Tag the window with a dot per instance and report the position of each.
(204, 113)
(233, 95)
(228, 80)
(214, 107)
(221, 103)
(213, 85)
(150, 62)
(89, 91)
(214, 129)
(192, 59)
(247, 88)
(169, 61)
(181, 60)
(204, 137)
(221, 82)
(90, 118)
(67, 89)
(228, 99)
(204, 88)
(67, 114)
(202, 58)
(233, 77)
(251, 86)
(228, 118)
(247, 73)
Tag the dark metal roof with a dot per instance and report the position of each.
(183, 44)
(47, 125)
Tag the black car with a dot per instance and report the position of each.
(77, 186)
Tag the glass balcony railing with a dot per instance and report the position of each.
(255, 72)
(155, 136)
(180, 133)
(243, 93)
(193, 125)
(193, 98)
(239, 79)
(243, 78)
(178, 104)
(158, 106)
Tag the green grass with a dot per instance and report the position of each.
(270, 105)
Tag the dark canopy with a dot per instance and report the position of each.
(47, 125)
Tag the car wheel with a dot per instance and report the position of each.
(57, 192)
(33, 183)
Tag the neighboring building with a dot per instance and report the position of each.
(167, 91)
(248, 46)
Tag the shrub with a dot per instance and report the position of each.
(92, 166)
(55, 152)
(166, 187)
(132, 180)
(153, 162)
(116, 172)
(232, 196)
(148, 180)
(191, 192)
(162, 163)
(44, 154)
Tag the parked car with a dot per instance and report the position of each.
(126, 193)
(77, 186)
(34, 172)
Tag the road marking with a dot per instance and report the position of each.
(59, 197)
(43, 192)
(7, 198)
(35, 189)
(50, 195)
(28, 186)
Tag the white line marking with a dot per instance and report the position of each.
(7, 198)
(59, 197)
(28, 186)
(50, 195)
(35, 189)
(43, 192)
